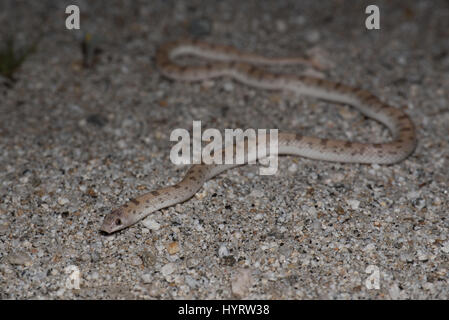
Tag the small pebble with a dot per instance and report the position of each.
(354, 204)
(313, 36)
(281, 26)
(241, 282)
(223, 251)
(228, 86)
(151, 224)
(293, 167)
(63, 201)
(20, 258)
(168, 269)
(422, 256)
(394, 292)
(147, 278)
(136, 261)
(173, 247)
(413, 195)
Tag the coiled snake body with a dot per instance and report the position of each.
(228, 61)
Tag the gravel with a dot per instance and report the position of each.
(78, 140)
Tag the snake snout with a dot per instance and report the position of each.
(114, 221)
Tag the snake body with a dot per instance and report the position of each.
(228, 61)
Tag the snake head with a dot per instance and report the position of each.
(116, 220)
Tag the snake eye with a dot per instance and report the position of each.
(118, 222)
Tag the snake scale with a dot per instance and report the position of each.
(241, 66)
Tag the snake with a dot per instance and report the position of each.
(227, 61)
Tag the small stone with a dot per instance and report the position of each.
(168, 269)
(85, 257)
(428, 286)
(241, 283)
(207, 84)
(422, 256)
(20, 258)
(151, 224)
(313, 36)
(259, 216)
(354, 204)
(173, 247)
(91, 192)
(223, 251)
(419, 203)
(412, 195)
(63, 201)
(147, 278)
(60, 292)
(394, 292)
(293, 167)
(154, 289)
(228, 86)
(136, 261)
(148, 258)
(281, 26)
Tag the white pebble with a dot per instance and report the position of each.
(394, 292)
(281, 26)
(151, 224)
(412, 195)
(20, 258)
(60, 292)
(422, 256)
(147, 278)
(63, 201)
(136, 261)
(228, 86)
(293, 167)
(241, 283)
(168, 269)
(354, 204)
(223, 251)
(256, 193)
(369, 247)
(313, 36)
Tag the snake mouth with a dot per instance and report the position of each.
(105, 229)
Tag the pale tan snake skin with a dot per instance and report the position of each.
(240, 66)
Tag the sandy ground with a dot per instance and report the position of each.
(77, 141)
